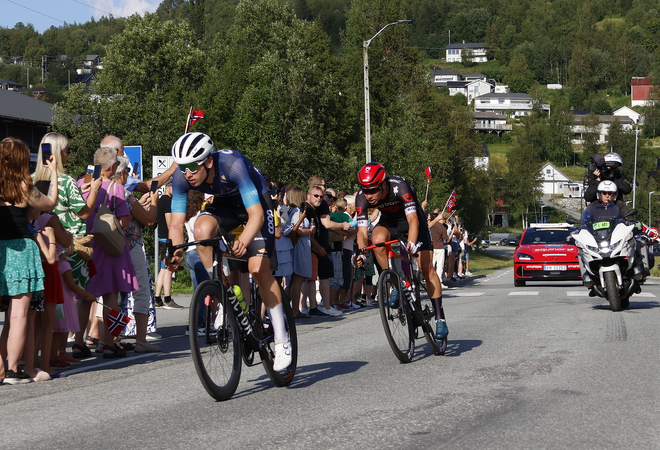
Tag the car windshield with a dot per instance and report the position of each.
(545, 236)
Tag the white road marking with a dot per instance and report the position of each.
(465, 294)
(524, 293)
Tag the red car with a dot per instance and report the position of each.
(545, 254)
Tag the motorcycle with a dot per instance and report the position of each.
(607, 254)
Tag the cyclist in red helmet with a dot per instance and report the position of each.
(401, 215)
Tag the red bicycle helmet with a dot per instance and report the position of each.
(371, 174)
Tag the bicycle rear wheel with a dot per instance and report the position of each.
(265, 333)
(427, 309)
(214, 341)
(396, 319)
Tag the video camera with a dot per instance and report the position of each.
(598, 162)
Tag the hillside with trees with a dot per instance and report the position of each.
(283, 82)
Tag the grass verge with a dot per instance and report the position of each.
(485, 263)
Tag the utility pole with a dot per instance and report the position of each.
(43, 68)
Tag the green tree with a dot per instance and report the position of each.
(580, 75)
(523, 181)
(518, 76)
(152, 72)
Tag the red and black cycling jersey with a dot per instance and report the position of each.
(399, 201)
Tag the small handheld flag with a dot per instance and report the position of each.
(450, 205)
(116, 322)
(428, 173)
(193, 116)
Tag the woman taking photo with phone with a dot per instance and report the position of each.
(19, 254)
(72, 210)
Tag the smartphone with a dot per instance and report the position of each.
(46, 153)
(97, 171)
(154, 185)
(88, 175)
(136, 168)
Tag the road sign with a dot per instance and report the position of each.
(160, 164)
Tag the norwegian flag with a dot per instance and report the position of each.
(116, 322)
(195, 116)
(451, 202)
(428, 173)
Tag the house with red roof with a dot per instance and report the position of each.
(640, 88)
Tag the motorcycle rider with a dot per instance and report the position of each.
(607, 195)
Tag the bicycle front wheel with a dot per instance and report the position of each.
(395, 315)
(427, 309)
(214, 341)
(265, 330)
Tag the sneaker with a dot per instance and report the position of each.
(441, 330)
(444, 286)
(330, 311)
(154, 336)
(317, 312)
(158, 304)
(343, 306)
(456, 278)
(282, 358)
(19, 377)
(304, 311)
(171, 305)
(394, 298)
(354, 306)
(468, 273)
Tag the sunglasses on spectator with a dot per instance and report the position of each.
(607, 193)
(330, 196)
(192, 167)
(317, 195)
(371, 190)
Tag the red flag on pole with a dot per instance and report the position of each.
(428, 173)
(193, 116)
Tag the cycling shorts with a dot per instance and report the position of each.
(230, 214)
(400, 230)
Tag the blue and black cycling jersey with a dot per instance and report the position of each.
(235, 179)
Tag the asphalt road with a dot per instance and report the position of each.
(544, 366)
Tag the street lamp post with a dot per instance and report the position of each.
(650, 193)
(635, 170)
(367, 111)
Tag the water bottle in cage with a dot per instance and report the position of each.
(407, 291)
(241, 317)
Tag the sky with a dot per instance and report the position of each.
(43, 14)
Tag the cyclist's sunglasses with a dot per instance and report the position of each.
(372, 190)
(192, 167)
(607, 193)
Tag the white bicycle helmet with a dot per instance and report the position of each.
(192, 147)
(613, 160)
(607, 186)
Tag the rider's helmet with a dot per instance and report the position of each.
(371, 174)
(191, 148)
(607, 186)
(613, 160)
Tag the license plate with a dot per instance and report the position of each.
(554, 268)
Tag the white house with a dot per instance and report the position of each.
(441, 77)
(581, 127)
(624, 111)
(454, 52)
(520, 104)
(490, 122)
(553, 181)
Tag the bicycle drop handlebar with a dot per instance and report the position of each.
(222, 236)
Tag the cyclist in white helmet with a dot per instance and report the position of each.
(241, 196)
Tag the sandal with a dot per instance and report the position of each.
(145, 347)
(117, 352)
(91, 342)
(126, 346)
(80, 351)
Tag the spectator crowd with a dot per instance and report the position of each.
(59, 286)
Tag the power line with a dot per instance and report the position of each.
(90, 6)
(34, 10)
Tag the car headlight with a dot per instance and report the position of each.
(524, 257)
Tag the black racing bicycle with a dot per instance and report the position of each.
(406, 308)
(222, 332)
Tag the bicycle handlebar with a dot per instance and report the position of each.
(221, 236)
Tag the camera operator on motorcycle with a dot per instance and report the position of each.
(607, 168)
